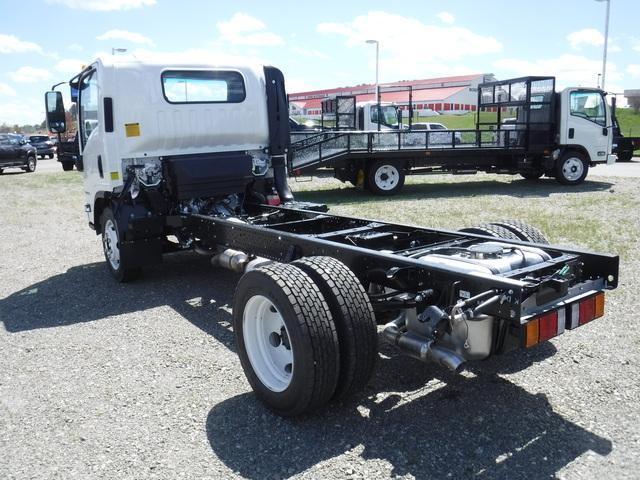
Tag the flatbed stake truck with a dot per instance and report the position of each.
(523, 126)
(190, 156)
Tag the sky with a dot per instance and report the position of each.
(318, 44)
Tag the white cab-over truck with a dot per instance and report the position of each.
(193, 157)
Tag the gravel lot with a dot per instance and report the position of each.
(100, 380)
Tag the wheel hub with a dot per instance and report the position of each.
(387, 177)
(267, 343)
(110, 244)
(572, 169)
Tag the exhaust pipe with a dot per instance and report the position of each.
(232, 259)
(237, 261)
(417, 347)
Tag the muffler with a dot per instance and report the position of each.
(418, 347)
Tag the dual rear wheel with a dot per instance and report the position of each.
(306, 333)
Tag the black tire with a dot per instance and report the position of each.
(31, 164)
(119, 270)
(41, 157)
(491, 230)
(1, 171)
(51, 155)
(523, 230)
(354, 319)
(384, 177)
(532, 176)
(571, 168)
(67, 166)
(625, 156)
(311, 334)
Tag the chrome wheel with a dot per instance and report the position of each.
(267, 342)
(572, 169)
(110, 244)
(386, 177)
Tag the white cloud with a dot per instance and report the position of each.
(243, 29)
(402, 47)
(446, 17)
(195, 55)
(633, 69)
(104, 5)
(74, 47)
(26, 111)
(7, 90)
(569, 69)
(12, 44)
(587, 36)
(69, 65)
(30, 75)
(132, 37)
(309, 53)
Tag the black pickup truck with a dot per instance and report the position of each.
(15, 151)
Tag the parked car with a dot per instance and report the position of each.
(443, 137)
(307, 126)
(15, 151)
(43, 145)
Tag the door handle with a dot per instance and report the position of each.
(100, 166)
(572, 132)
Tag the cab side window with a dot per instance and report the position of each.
(588, 105)
(88, 106)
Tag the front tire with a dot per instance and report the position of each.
(51, 155)
(572, 168)
(286, 339)
(67, 166)
(384, 177)
(111, 242)
(31, 164)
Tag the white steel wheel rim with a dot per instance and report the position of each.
(572, 168)
(32, 164)
(386, 177)
(110, 244)
(267, 343)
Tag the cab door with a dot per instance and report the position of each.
(586, 123)
(5, 151)
(90, 135)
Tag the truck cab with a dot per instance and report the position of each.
(373, 116)
(586, 124)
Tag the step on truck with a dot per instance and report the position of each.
(523, 126)
(192, 157)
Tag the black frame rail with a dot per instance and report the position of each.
(384, 253)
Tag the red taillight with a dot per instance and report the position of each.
(548, 326)
(587, 310)
(551, 324)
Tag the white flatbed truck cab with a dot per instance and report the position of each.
(179, 157)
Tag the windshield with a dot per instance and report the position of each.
(388, 115)
(38, 138)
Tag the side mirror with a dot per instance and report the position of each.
(55, 112)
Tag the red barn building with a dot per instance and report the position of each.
(451, 95)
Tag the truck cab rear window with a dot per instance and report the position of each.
(204, 86)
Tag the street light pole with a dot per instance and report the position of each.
(606, 41)
(377, 64)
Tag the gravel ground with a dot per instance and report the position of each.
(100, 380)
